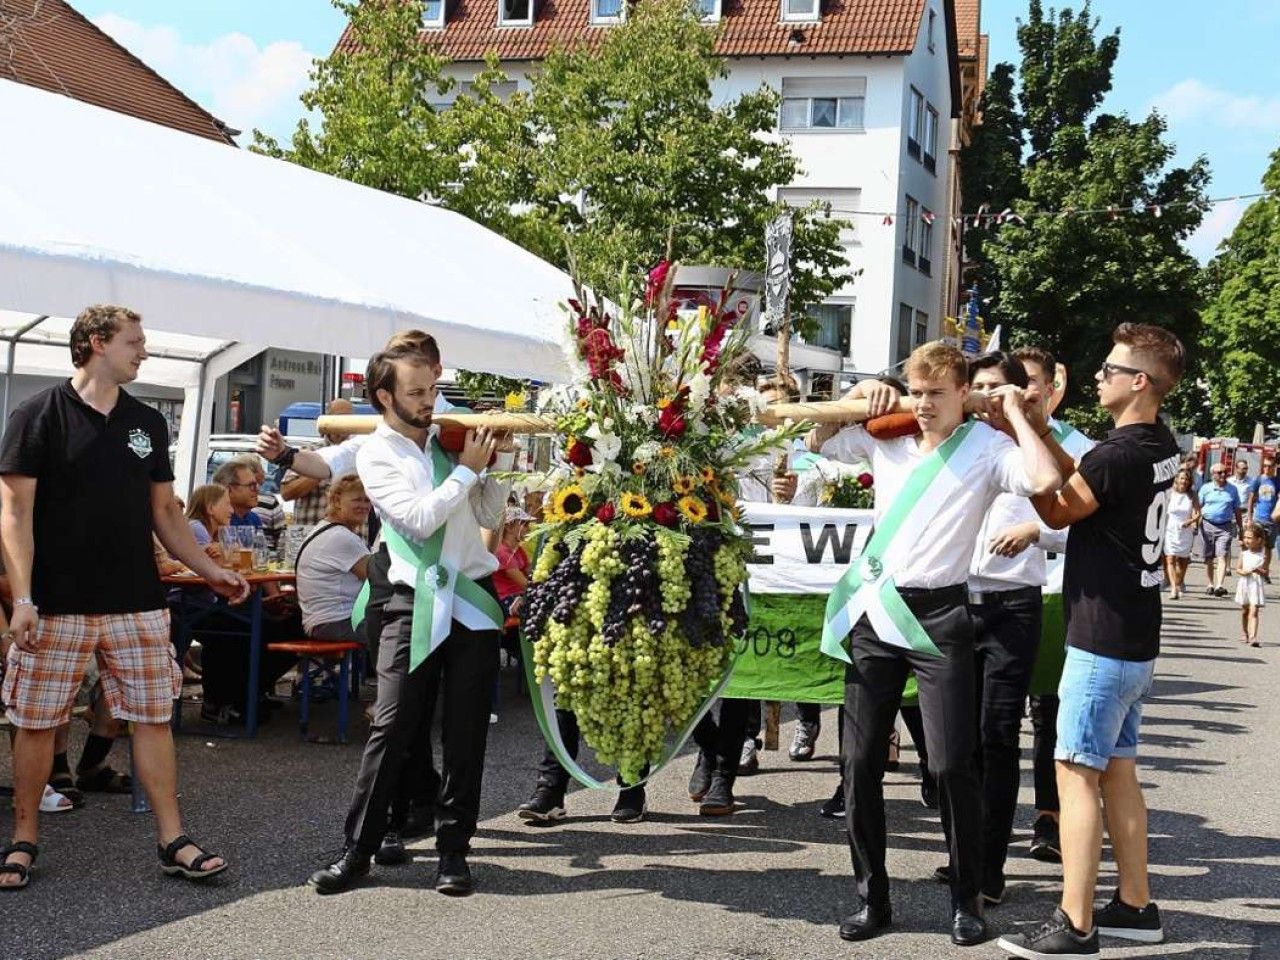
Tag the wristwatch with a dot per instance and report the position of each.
(286, 459)
(23, 602)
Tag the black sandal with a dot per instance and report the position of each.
(23, 871)
(66, 785)
(170, 865)
(104, 779)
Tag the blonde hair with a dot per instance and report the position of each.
(202, 498)
(935, 360)
(343, 485)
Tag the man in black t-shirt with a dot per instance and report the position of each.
(1115, 504)
(85, 478)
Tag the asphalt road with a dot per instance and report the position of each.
(773, 881)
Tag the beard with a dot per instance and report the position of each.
(420, 423)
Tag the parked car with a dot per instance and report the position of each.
(226, 446)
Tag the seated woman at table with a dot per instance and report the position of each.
(332, 563)
(225, 655)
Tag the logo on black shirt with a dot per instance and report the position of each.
(140, 442)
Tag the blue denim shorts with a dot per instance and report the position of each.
(1100, 707)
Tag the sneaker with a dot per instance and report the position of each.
(631, 806)
(1208, 591)
(1118, 919)
(223, 715)
(1220, 592)
(701, 778)
(1045, 845)
(749, 762)
(493, 718)
(833, 809)
(1055, 939)
(545, 806)
(805, 740)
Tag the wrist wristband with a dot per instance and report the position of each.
(286, 459)
(1047, 431)
(23, 602)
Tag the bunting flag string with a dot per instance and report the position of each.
(984, 216)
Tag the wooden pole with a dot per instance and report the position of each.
(776, 414)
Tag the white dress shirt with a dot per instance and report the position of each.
(398, 477)
(991, 572)
(940, 559)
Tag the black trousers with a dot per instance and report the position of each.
(461, 674)
(420, 783)
(722, 738)
(1044, 723)
(1006, 639)
(872, 695)
(550, 772)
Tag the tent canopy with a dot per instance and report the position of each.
(224, 244)
(225, 252)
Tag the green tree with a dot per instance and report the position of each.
(616, 155)
(1066, 281)
(1242, 349)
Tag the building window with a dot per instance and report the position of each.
(709, 10)
(924, 250)
(915, 130)
(909, 242)
(835, 323)
(606, 11)
(920, 334)
(800, 9)
(930, 141)
(902, 348)
(515, 12)
(933, 20)
(841, 205)
(433, 13)
(818, 103)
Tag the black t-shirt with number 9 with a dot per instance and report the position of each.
(1114, 557)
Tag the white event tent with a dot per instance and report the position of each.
(225, 253)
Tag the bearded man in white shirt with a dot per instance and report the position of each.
(904, 601)
(442, 624)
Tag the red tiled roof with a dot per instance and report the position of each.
(51, 46)
(968, 19)
(749, 28)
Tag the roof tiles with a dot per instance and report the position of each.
(52, 46)
(748, 28)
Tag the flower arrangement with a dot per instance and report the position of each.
(848, 490)
(639, 583)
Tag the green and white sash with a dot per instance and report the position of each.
(1075, 443)
(440, 593)
(868, 585)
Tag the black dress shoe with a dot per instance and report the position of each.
(392, 852)
(866, 922)
(718, 799)
(454, 876)
(967, 926)
(340, 875)
(700, 780)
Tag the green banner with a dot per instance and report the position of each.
(780, 657)
(1052, 654)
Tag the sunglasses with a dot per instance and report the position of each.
(1108, 368)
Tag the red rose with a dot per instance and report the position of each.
(578, 453)
(666, 514)
(671, 420)
(865, 479)
(606, 513)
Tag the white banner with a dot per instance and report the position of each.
(802, 549)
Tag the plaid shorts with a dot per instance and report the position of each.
(140, 677)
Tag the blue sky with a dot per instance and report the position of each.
(1212, 69)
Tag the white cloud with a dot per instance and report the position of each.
(1193, 100)
(1216, 225)
(231, 76)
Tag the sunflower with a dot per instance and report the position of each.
(693, 509)
(583, 404)
(638, 468)
(579, 472)
(663, 403)
(682, 485)
(667, 452)
(635, 505)
(569, 503)
(709, 477)
(727, 498)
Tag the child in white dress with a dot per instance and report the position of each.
(1250, 588)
